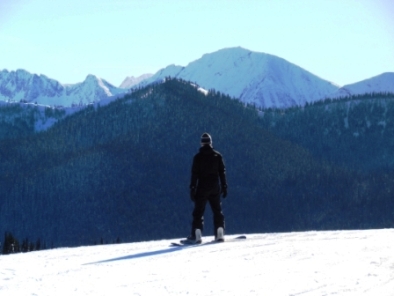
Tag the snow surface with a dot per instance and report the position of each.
(304, 263)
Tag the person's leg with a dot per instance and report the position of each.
(198, 214)
(218, 217)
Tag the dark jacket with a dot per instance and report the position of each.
(208, 169)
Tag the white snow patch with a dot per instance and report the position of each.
(204, 91)
(305, 263)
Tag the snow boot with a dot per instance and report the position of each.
(191, 240)
(198, 236)
(220, 234)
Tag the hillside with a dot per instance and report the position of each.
(121, 172)
(18, 120)
(309, 263)
(355, 132)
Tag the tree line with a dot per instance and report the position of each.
(12, 245)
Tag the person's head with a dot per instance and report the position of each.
(206, 139)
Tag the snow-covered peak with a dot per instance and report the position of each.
(94, 82)
(22, 74)
(383, 83)
(91, 78)
(131, 80)
(169, 71)
(263, 79)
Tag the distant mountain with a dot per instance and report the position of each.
(383, 83)
(131, 81)
(255, 78)
(22, 86)
(258, 78)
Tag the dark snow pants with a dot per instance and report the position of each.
(202, 197)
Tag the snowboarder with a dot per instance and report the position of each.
(208, 183)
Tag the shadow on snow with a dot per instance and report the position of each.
(170, 249)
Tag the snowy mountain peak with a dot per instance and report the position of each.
(22, 73)
(232, 52)
(91, 77)
(263, 79)
(383, 83)
(131, 81)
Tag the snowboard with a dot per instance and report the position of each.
(184, 243)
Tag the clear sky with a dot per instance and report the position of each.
(343, 41)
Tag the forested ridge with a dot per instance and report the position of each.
(121, 172)
(18, 120)
(356, 131)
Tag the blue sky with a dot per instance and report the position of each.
(343, 41)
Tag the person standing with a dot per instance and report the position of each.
(208, 183)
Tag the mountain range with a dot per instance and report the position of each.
(22, 86)
(256, 78)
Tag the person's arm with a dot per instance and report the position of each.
(222, 173)
(194, 177)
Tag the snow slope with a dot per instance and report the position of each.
(20, 85)
(305, 263)
(131, 80)
(253, 77)
(382, 83)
